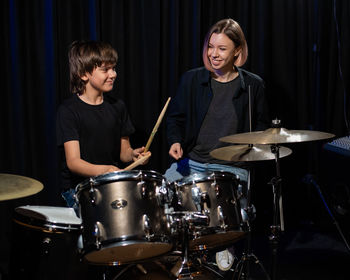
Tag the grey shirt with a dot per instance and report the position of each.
(220, 120)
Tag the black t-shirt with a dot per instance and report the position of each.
(98, 128)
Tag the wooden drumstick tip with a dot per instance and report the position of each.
(157, 125)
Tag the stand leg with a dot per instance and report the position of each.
(242, 269)
(278, 221)
(310, 179)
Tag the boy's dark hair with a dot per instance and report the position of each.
(84, 57)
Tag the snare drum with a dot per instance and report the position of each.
(212, 194)
(123, 215)
(44, 243)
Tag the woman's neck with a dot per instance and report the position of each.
(226, 76)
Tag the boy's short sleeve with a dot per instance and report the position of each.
(66, 126)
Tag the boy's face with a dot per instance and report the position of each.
(101, 79)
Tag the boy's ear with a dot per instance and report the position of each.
(84, 77)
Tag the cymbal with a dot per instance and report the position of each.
(276, 136)
(248, 153)
(15, 186)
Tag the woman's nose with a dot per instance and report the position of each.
(215, 53)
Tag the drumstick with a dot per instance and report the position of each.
(157, 125)
(138, 162)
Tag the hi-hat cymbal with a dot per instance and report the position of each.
(248, 153)
(276, 136)
(15, 186)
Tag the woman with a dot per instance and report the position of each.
(212, 102)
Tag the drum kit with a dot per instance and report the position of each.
(148, 228)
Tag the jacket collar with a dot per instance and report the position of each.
(205, 77)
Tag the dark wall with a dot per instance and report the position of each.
(300, 48)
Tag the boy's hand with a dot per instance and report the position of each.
(137, 153)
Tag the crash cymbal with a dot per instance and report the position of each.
(15, 186)
(276, 136)
(248, 153)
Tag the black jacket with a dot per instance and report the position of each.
(191, 102)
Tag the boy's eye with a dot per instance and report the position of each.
(106, 69)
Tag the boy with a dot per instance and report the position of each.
(93, 133)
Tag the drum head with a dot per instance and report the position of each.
(206, 176)
(47, 218)
(131, 175)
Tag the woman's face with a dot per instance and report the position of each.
(221, 52)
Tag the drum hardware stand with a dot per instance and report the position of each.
(184, 268)
(277, 227)
(242, 267)
(121, 272)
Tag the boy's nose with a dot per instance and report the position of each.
(112, 73)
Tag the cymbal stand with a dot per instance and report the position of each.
(278, 221)
(242, 269)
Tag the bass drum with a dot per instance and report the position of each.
(163, 269)
(123, 215)
(45, 244)
(213, 195)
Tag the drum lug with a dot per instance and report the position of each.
(97, 234)
(179, 198)
(216, 187)
(205, 199)
(221, 218)
(142, 186)
(196, 197)
(162, 195)
(92, 192)
(147, 227)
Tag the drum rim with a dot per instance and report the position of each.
(42, 221)
(199, 177)
(116, 176)
(49, 227)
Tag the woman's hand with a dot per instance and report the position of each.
(176, 151)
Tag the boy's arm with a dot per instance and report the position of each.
(80, 166)
(127, 153)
